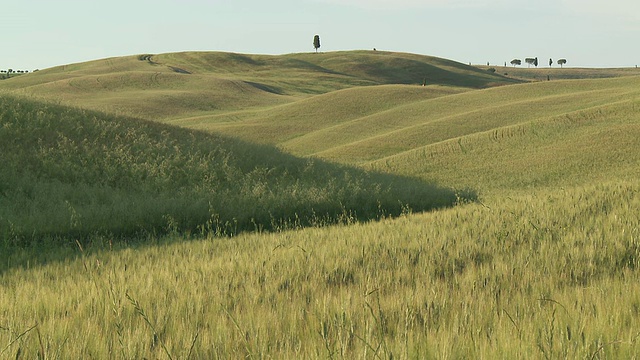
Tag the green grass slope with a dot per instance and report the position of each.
(577, 148)
(305, 117)
(346, 68)
(155, 93)
(177, 85)
(587, 136)
(442, 119)
(69, 173)
(453, 135)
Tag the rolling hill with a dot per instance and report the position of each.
(178, 85)
(434, 131)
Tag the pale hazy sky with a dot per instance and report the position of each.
(37, 34)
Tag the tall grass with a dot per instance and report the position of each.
(72, 173)
(548, 275)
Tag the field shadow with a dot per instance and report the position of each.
(377, 196)
(196, 222)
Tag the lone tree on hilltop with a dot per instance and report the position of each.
(562, 62)
(515, 62)
(550, 62)
(316, 42)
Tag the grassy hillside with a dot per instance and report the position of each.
(345, 68)
(70, 173)
(547, 132)
(575, 148)
(177, 85)
(279, 124)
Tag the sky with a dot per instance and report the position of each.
(38, 34)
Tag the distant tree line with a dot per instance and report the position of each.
(11, 71)
(5, 74)
(534, 62)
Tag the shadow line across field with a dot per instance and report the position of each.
(76, 177)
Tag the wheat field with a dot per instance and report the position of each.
(343, 213)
